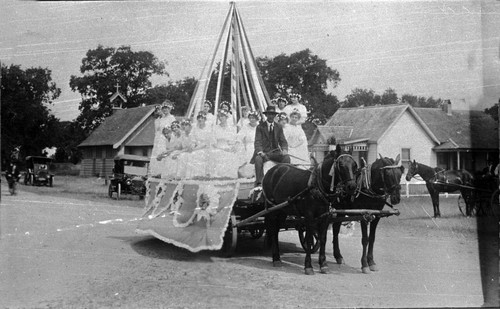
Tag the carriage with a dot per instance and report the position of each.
(481, 199)
(38, 171)
(129, 176)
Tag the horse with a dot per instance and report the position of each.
(441, 180)
(314, 189)
(374, 185)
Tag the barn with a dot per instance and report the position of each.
(126, 131)
(433, 136)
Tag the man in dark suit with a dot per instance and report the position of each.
(270, 144)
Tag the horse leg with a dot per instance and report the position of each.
(309, 244)
(373, 228)
(336, 249)
(272, 226)
(364, 241)
(322, 233)
(435, 202)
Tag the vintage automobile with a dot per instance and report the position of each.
(129, 176)
(38, 171)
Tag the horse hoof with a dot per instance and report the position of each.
(324, 270)
(277, 264)
(366, 270)
(340, 261)
(374, 267)
(309, 271)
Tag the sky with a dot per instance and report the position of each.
(443, 49)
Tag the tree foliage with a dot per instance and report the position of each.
(367, 97)
(105, 67)
(492, 111)
(179, 92)
(304, 73)
(26, 118)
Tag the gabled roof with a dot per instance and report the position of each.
(372, 122)
(118, 127)
(322, 134)
(144, 136)
(461, 129)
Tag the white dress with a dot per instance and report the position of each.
(247, 139)
(297, 144)
(300, 107)
(159, 143)
(223, 158)
(193, 164)
(170, 163)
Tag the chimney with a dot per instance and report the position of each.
(448, 110)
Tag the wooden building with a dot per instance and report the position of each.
(126, 131)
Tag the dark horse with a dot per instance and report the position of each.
(440, 180)
(375, 185)
(315, 189)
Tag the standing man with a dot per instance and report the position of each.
(270, 144)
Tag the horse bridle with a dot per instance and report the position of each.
(396, 186)
(340, 186)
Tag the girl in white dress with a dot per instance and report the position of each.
(224, 159)
(163, 119)
(174, 148)
(247, 139)
(297, 140)
(195, 161)
(244, 118)
(207, 106)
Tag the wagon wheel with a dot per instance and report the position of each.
(462, 206)
(230, 238)
(494, 203)
(302, 236)
(257, 233)
(110, 191)
(118, 191)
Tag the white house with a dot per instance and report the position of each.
(432, 136)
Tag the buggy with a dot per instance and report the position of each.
(38, 171)
(129, 176)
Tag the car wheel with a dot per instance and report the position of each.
(32, 180)
(26, 179)
(110, 191)
(50, 182)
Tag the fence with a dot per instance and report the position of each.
(418, 188)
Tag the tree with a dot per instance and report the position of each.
(301, 72)
(105, 67)
(421, 101)
(26, 119)
(389, 97)
(179, 92)
(360, 97)
(492, 111)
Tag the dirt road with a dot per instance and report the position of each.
(61, 252)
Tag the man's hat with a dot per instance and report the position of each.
(270, 110)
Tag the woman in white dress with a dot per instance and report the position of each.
(297, 140)
(226, 106)
(174, 148)
(207, 107)
(194, 162)
(163, 119)
(244, 118)
(224, 159)
(247, 139)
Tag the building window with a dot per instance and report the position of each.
(405, 157)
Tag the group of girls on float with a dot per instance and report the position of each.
(219, 148)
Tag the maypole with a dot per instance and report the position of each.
(246, 83)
